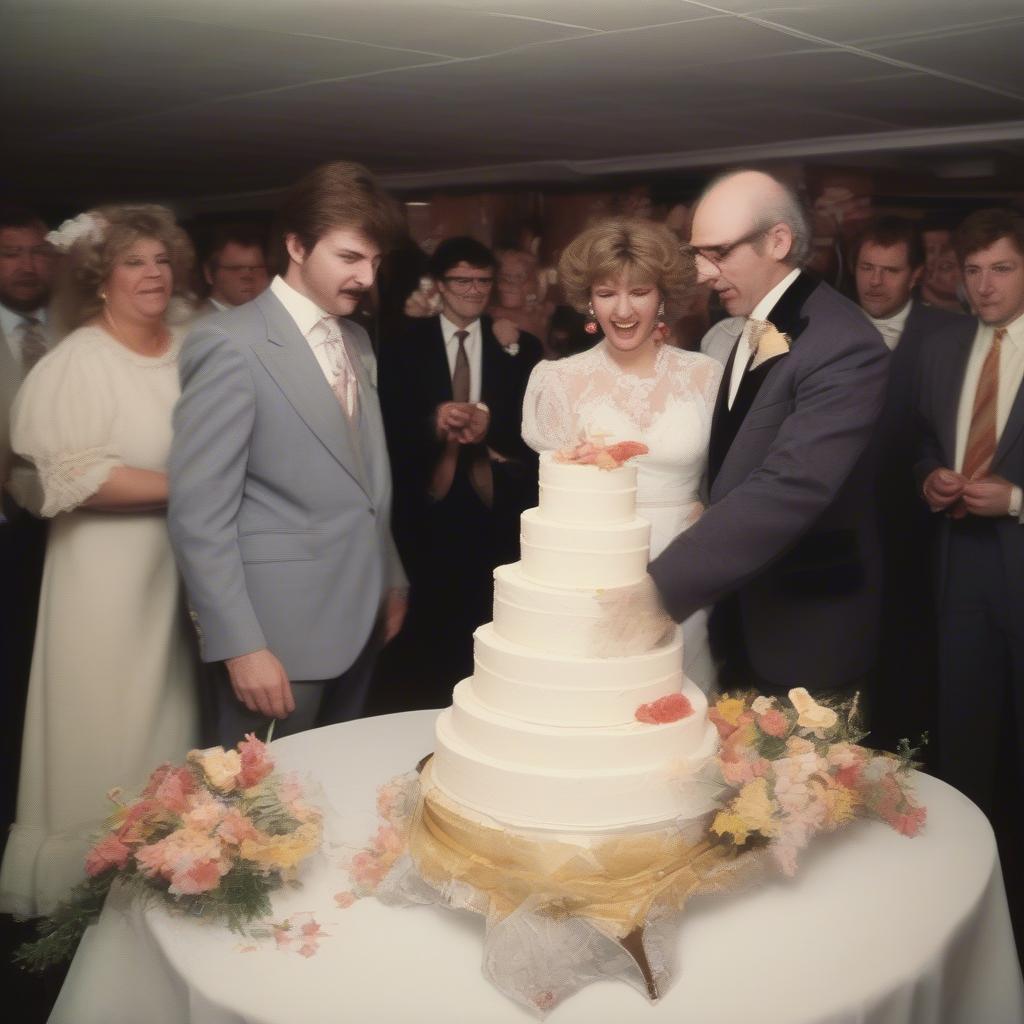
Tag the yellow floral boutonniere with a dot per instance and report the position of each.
(766, 342)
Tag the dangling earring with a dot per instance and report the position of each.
(591, 325)
(660, 327)
(103, 296)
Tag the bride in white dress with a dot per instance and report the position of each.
(631, 279)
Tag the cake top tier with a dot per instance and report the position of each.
(575, 493)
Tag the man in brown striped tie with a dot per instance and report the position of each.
(971, 404)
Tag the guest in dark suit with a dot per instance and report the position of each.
(234, 268)
(452, 396)
(888, 260)
(971, 403)
(26, 264)
(787, 550)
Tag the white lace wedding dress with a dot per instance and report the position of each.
(590, 396)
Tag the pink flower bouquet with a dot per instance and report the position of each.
(796, 769)
(213, 837)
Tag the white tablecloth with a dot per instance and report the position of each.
(875, 929)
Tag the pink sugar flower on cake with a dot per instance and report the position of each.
(672, 708)
(611, 456)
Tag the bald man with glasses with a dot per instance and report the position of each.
(787, 551)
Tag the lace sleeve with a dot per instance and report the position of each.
(711, 381)
(62, 422)
(547, 419)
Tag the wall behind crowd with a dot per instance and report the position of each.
(529, 227)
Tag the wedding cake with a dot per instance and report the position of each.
(554, 730)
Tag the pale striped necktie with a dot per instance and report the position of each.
(345, 384)
(33, 342)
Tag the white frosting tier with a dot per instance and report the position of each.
(617, 794)
(555, 620)
(572, 555)
(553, 689)
(512, 740)
(586, 494)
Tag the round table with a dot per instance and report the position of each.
(875, 929)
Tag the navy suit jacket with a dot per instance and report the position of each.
(791, 529)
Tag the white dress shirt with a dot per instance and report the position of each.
(1011, 374)
(307, 316)
(474, 345)
(222, 306)
(11, 323)
(891, 328)
(759, 312)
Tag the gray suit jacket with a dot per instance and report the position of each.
(940, 381)
(279, 513)
(790, 529)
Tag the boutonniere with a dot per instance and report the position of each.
(766, 342)
(513, 349)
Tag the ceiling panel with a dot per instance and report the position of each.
(198, 96)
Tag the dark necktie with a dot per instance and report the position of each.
(460, 375)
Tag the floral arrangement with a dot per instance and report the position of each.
(213, 837)
(766, 342)
(397, 802)
(797, 770)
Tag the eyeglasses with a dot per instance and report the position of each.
(463, 285)
(716, 255)
(240, 268)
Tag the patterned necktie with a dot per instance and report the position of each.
(460, 375)
(345, 385)
(981, 438)
(33, 342)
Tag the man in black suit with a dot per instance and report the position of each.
(452, 396)
(888, 259)
(787, 549)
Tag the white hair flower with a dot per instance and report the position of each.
(90, 226)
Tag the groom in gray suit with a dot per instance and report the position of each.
(280, 490)
(787, 550)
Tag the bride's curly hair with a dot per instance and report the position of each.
(91, 259)
(640, 249)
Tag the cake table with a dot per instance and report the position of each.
(875, 929)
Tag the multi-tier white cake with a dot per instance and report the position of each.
(544, 735)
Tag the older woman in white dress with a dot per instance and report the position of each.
(631, 279)
(112, 691)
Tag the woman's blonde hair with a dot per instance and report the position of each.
(639, 249)
(90, 260)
